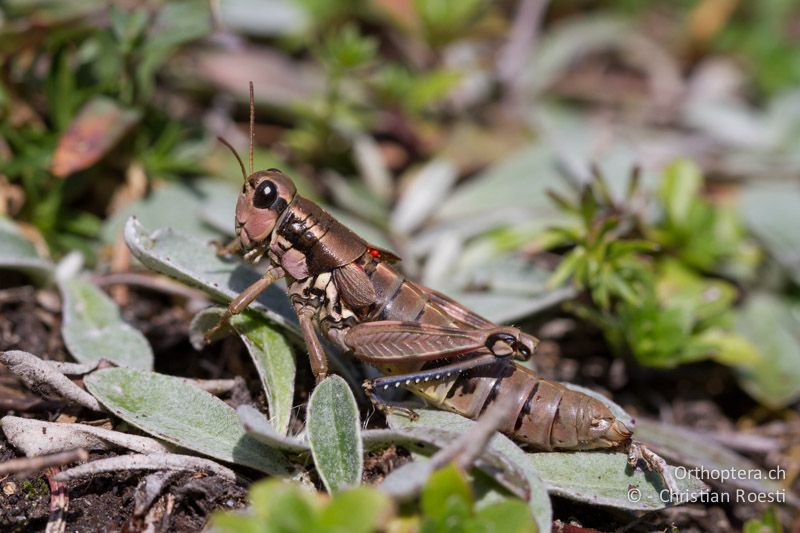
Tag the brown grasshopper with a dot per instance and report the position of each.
(418, 338)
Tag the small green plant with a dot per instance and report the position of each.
(357, 86)
(278, 505)
(768, 523)
(325, 124)
(446, 504)
(761, 33)
(35, 488)
(603, 259)
(647, 279)
(706, 237)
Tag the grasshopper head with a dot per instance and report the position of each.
(265, 196)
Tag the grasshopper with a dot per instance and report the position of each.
(454, 359)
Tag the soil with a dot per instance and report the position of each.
(703, 396)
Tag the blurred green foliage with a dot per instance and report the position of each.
(762, 34)
(278, 505)
(767, 523)
(444, 21)
(706, 237)
(55, 69)
(446, 504)
(358, 85)
(765, 34)
(654, 282)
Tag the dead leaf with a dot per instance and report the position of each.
(98, 126)
(707, 18)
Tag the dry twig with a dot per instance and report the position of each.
(34, 464)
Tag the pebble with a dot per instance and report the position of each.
(10, 488)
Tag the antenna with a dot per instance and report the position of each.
(252, 124)
(239, 159)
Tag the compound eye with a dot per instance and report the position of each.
(265, 195)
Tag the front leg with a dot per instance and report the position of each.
(245, 298)
(316, 353)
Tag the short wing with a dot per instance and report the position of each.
(354, 286)
(396, 341)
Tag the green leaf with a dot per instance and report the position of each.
(567, 268)
(271, 355)
(446, 501)
(508, 516)
(603, 478)
(679, 189)
(177, 412)
(196, 263)
(768, 523)
(773, 325)
(728, 348)
(274, 361)
(334, 434)
(281, 506)
(347, 49)
(430, 88)
(357, 510)
(93, 329)
(700, 298)
(235, 523)
(284, 506)
(447, 20)
(18, 253)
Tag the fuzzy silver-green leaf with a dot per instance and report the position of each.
(177, 412)
(93, 328)
(334, 434)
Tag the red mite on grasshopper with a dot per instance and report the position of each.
(420, 339)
